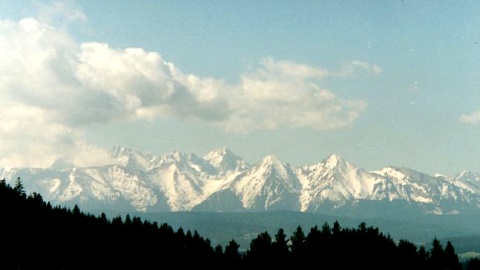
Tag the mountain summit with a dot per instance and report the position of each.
(222, 181)
(225, 161)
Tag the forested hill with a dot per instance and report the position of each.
(37, 235)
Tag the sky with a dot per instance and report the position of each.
(379, 83)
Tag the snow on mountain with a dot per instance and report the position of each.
(419, 187)
(225, 161)
(181, 178)
(441, 194)
(469, 181)
(337, 181)
(269, 185)
(222, 181)
(129, 158)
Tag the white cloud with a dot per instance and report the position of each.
(287, 94)
(52, 87)
(30, 138)
(61, 12)
(473, 118)
(352, 68)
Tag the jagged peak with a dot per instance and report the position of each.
(468, 174)
(334, 160)
(121, 154)
(175, 155)
(271, 159)
(334, 157)
(120, 150)
(465, 173)
(225, 160)
(389, 169)
(392, 171)
(405, 170)
(220, 152)
(274, 162)
(181, 157)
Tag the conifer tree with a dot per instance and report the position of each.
(314, 245)
(409, 254)
(452, 262)
(280, 244)
(232, 250)
(280, 249)
(19, 188)
(298, 242)
(232, 255)
(260, 250)
(436, 259)
(336, 228)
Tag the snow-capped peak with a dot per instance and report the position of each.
(468, 175)
(120, 151)
(225, 161)
(271, 159)
(334, 161)
(220, 156)
(179, 181)
(273, 162)
(174, 156)
(128, 157)
(218, 153)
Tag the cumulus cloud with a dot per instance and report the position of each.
(287, 94)
(52, 87)
(60, 13)
(473, 118)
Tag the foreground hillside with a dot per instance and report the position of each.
(39, 236)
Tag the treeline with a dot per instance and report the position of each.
(36, 235)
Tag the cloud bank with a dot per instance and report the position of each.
(52, 87)
(473, 118)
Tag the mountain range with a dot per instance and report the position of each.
(221, 181)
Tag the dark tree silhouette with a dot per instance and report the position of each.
(452, 261)
(436, 260)
(280, 249)
(473, 264)
(19, 188)
(36, 235)
(260, 251)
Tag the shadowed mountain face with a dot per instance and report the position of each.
(223, 182)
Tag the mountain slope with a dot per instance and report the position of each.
(223, 182)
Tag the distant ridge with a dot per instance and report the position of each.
(221, 181)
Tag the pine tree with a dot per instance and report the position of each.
(281, 244)
(232, 255)
(452, 262)
(280, 249)
(298, 242)
(336, 228)
(407, 251)
(436, 259)
(232, 250)
(19, 188)
(259, 253)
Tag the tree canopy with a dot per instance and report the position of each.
(37, 235)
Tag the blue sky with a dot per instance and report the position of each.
(377, 82)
